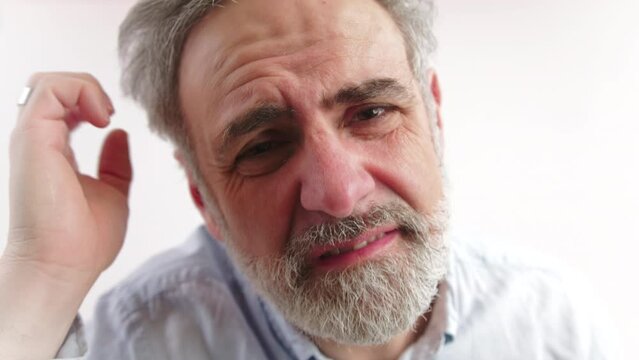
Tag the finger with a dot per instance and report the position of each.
(90, 78)
(115, 163)
(79, 75)
(54, 97)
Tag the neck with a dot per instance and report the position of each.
(389, 350)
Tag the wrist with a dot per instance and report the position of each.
(23, 260)
(37, 306)
(27, 274)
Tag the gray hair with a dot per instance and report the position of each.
(154, 32)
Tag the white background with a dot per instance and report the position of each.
(541, 123)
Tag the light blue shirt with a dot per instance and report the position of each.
(193, 303)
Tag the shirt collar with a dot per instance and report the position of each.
(290, 338)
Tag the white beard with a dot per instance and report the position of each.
(365, 304)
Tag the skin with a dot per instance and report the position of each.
(339, 159)
(65, 227)
(322, 159)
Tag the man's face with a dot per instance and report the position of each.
(306, 114)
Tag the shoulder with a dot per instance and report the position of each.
(521, 301)
(190, 297)
(483, 268)
(198, 266)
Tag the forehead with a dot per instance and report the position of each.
(254, 50)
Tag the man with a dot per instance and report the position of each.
(311, 136)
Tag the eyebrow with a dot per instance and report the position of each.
(370, 89)
(251, 120)
(263, 114)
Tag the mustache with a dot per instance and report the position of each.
(408, 221)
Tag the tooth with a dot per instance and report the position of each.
(379, 236)
(360, 245)
(334, 252)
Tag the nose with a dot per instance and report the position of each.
(333, 180)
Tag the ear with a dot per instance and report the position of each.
(435, 90)
(196, 196)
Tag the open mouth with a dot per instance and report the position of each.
(354, 246)
(366, 246)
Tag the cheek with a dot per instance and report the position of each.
(257, 212)
(407, 165)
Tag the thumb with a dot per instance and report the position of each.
(115, 163)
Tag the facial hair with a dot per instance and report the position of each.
(367, 303)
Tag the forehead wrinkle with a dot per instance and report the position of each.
(228, 63)
(231, 80)
(267, 36)
(256, 44)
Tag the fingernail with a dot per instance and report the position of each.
(107, 116)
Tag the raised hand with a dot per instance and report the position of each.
(65, 227)
(60, 218)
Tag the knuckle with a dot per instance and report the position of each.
(85, 75)
(88, 78)
(44, 86)
(43, 81)
(35, 77)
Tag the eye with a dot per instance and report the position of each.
(258, 150)
(263, 157)
(372, 121)
(370, 113)
(367, 113)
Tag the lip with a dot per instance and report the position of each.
(387, 236)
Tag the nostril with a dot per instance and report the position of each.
(336, 194)
(334, 180)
